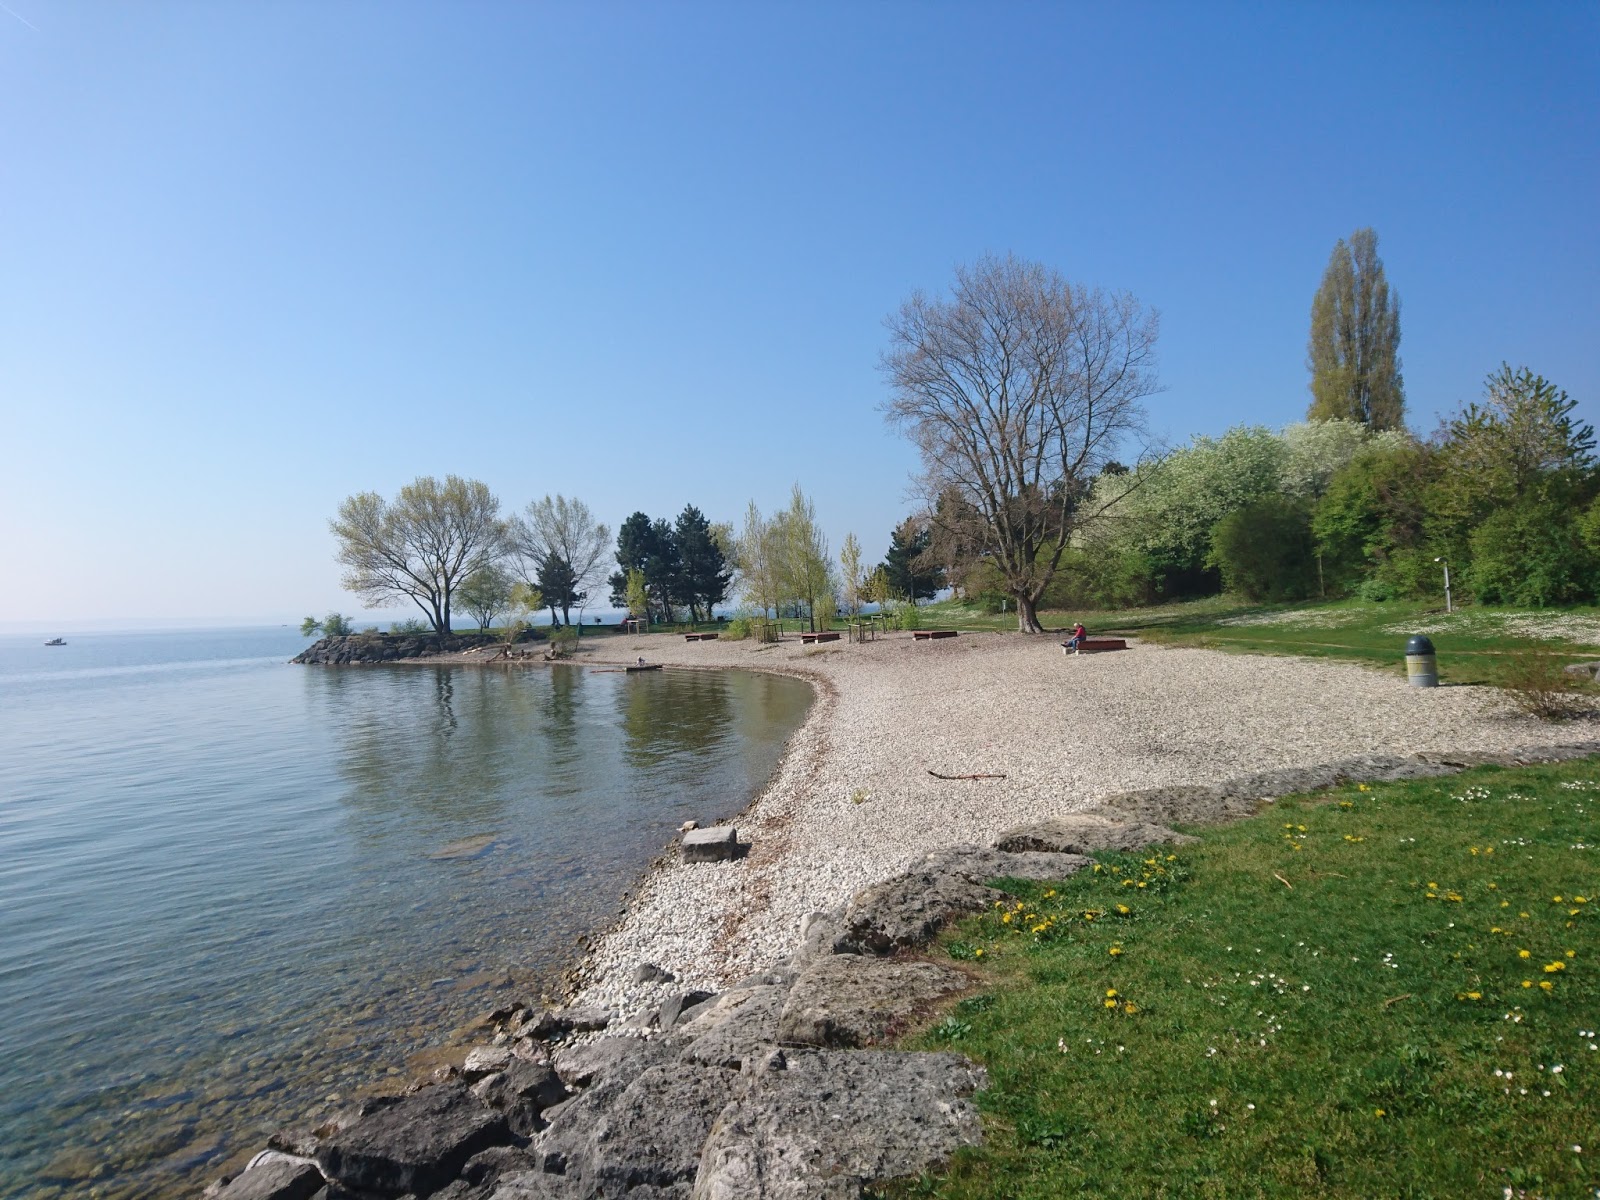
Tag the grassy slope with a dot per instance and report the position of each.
(1331, 999)
(1472, 643)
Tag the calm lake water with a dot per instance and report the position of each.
(233, 891)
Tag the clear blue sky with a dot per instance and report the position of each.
(256, 257)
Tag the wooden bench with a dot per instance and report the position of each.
(928, 635)
(820, 636)
(699, 637)
(1096, 645)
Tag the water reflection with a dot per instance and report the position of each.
(298, 931)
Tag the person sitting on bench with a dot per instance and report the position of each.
(1080, 636)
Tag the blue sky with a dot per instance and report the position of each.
(255, 258)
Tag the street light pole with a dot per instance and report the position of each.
(1446, 563)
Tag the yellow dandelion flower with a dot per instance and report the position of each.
(1527, 983)
(1524, 954)
(1111, 991)
(1124, 909)
(1130, 1008)
(1546, 985)
(1111, 1003)
(978, 953)
(1114, 951)
(1555, 899)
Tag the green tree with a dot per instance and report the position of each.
(1531, 553)
(1264, 550)
(310, 627)
(421, 545)
(1017, 391)
(635, 594)
(850, 565)
(757, 559)
(910, 571)
(634, 544)
(1373, 525)
(703, 571)
(1521, 440)
(485, 594)
(558, 584)
(1354, 349)
(805, 568)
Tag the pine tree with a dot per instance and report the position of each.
(1354, 350)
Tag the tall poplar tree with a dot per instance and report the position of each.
(1354, 350)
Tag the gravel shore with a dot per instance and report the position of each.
(853, 799)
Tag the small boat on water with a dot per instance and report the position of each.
(56, 642)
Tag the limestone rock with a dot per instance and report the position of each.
(814, 1124)
(558, 1022)
(908, 910)
(485, 1060)
(523, 1091)
(275, 1176)
(580, 1064)
(1182, 804)
(647, 1134)
(847, 1000)
(739, 1026)
(650, 973)
(675, 1005)
(716, 844)
(1087, 833)
(418, 1144)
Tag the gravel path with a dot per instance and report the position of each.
(852, 801)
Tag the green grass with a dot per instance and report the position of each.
(1330, 999)
(1473, 644)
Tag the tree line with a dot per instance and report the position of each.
(1024, 394)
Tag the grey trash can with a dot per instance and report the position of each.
(1422, 666)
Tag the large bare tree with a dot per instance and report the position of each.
(1017, 390)
(564, 529)
(422, 545)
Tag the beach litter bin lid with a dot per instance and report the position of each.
(1419, 645)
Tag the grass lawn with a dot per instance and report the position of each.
(1391, 991)
(1473, 643)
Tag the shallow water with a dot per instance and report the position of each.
(233, 891)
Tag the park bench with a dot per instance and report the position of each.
(821, 636)
(1096, 645)
(699, 637)
(928, 635)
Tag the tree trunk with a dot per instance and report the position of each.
(566, 614)
(1027, 615)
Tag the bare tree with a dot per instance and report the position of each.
(1017, 390)
(567, 530)
(422, 545)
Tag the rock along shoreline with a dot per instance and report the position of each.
(710, 1052)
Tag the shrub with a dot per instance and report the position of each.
(1538, 684)
(737, 629)
(410, 627)
(1264, 550)
(1531, 554)
(563, 640)
(908, 616)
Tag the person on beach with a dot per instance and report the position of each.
(1080, 635)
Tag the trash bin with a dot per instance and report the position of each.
(1422, 667)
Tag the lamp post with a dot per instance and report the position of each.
(1446, 564)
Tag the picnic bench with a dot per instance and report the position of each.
(1096, 645)
(928, 635)
(827, 635)
(699, 637)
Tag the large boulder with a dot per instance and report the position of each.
(416, 1145)
(848, 1000)
(814, 1124)
(274, 1176)
(1087, 833)
(739, 1026)
(523, 1092)
(647, 1134)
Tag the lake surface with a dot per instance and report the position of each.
(233, 892)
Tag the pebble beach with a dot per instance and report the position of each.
(854, 800)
